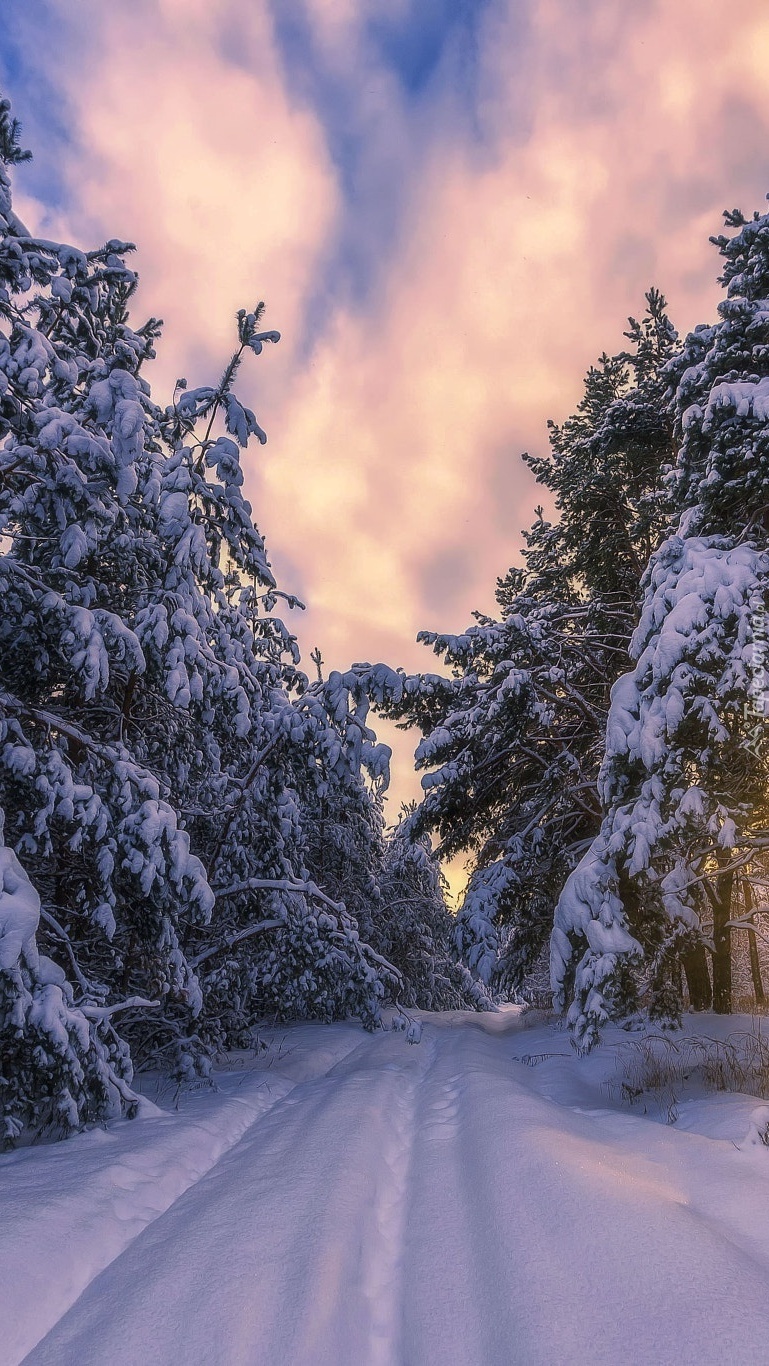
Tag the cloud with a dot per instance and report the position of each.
(513, 272)
(205, 162)
(446, 241)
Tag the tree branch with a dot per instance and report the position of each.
(234, 939)
(106, 1012)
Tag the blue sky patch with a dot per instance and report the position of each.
(38, 100)
(429, 53)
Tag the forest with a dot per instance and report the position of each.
(192, 821)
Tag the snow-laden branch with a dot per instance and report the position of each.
(374, 957)
(304, 888)
(106, 1012)
(258, 927)
(750, 844)
(59, 930)
(244, 784)
(111, 753)
(281, 884)
(746, 922)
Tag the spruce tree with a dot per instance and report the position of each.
(685, 769)
(65, 486)
(161, 752)
(416, 931)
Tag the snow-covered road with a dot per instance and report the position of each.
(378, 1204)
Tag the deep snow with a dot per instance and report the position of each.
(350, 1200)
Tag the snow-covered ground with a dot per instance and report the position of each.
(347, 1199)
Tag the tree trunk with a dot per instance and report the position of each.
(755, 962)
(695, 966)
(721, 900)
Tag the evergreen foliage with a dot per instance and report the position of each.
(191, 829)
(415, 930)
(685, 772)
(600, 748)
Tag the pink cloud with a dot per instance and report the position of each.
(391, 480)
(225, 184)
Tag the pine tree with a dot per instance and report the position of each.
(161, 752)
(63, 490)
(390, 880)
(414, 928)
(685, 770)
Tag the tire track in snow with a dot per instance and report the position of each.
(429, 1207)
(287, 1253)
(382, 1261)
(110, 1186)
(454, 1257)
(129, 1177)
(560, 1240)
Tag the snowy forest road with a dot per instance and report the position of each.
(442, 1204)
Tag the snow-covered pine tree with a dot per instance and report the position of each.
(414, 928)
(685, 774)
(64, 487)
(346, 835)
(390, 881)
(159, 747)
(304, 954)
(514, 737)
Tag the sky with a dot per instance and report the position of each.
(450, 208)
